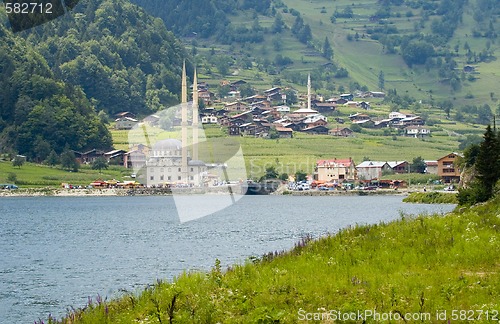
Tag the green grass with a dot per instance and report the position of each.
(34, 175)
(365, 58)
(421, 264)
(432, 198)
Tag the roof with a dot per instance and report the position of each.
(196, 163)
(283, 129)
(335, 162)
(305, 111)
(341, 129)
(315, 127)
(371, 164)
(167, 144)
(126, 118)
(394, 164)
(455, 153)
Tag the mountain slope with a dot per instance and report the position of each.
(38, 112)
(124, 59)
(430, 50)
(107, 56)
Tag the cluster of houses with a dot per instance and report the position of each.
(267, 115)
(264, 114)
(339, 171)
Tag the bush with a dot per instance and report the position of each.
(12, 177)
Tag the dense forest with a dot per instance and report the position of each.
(60, 81)
(122, 58)
(207, 18)
(39, 113)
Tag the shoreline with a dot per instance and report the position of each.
(115, 192)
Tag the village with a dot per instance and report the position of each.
(266, 115)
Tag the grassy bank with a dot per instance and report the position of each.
(431, 198)
(32, 175)
(417, 264)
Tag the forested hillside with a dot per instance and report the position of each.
(104, 57)
(124, 59)
(207, 18)
(442, 52)
(39, 113)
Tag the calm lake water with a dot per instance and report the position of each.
(56, 252)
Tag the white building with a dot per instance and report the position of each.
(164, 166)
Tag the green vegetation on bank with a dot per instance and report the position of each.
(32, 175)
(431, 198)
(417, 264)
(63, 80)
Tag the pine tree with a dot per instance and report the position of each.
(488, 164)
(327, 49)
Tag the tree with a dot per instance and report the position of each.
(484, 114)
(52, 159)
(99, 164)
(300, 176)
(41, 149)
(68, 161)
(305, 34)
(271, 173)
(488, 164)
(278, 24)
(417, 52)
(446, 105)
(12, 177)
(418, 165)
(18, 161)
(223, 64)
(381, 80)
(291, 97)
(327, 49)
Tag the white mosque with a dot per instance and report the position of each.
(170, 162)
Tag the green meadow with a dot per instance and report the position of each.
(363, 57)
(31, 175)
(426, 265)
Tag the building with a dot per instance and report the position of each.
(236, 106)
(336, 170)
(448, 169)
(169, 162)
(372, 170)
(417, 131)
(164, 166)
(399, 166)
(344, 132)
(125, 123)
(431, 167)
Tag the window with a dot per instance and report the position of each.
(191, 178)
(192, 169)
(179, 170)
(179, 178)
(161, 177)
(151, 178)
(169, 178)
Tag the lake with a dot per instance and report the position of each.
(55, 252)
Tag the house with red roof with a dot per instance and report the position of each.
(335, 170)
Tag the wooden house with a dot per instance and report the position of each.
(343, 132)
(448, 168)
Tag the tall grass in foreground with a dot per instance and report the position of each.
(416, 264)
(433, 197)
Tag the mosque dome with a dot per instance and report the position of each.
(167, 145)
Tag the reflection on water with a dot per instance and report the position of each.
(55, 252)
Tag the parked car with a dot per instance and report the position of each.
(8, 186)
